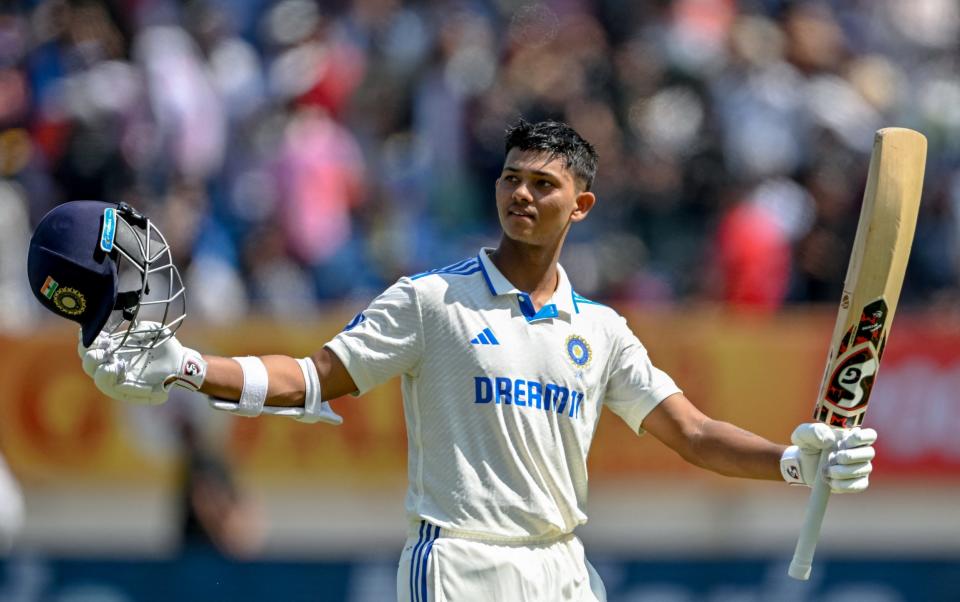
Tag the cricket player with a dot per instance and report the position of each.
(505, 370)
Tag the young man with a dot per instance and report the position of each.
(505, 370)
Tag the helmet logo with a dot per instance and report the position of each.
(109, 230)
(70, 301)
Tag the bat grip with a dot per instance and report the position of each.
(812, 521)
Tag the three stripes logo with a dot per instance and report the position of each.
(485, 338)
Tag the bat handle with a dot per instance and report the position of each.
(812, 520)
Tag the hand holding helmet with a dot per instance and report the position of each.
(138, 374)
(108, 268)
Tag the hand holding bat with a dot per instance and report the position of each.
(848, 464)
(871, 290)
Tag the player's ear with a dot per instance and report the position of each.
(585, 202)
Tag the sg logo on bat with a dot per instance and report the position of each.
(853, 379)
(858, 358)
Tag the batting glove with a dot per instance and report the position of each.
(847, 467)
(142, 376)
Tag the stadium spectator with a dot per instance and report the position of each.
(368, 132)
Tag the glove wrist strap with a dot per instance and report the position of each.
(192, 370)
(790, 466)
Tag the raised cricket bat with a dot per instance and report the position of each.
(870, 294)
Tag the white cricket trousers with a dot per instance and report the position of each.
(438, 567)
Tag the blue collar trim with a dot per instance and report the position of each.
(532, 315)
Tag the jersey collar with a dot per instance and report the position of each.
(559, 306)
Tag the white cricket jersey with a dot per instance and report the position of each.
(501, 401)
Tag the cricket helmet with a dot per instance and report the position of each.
(108, 268)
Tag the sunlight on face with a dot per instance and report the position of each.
(536, 197)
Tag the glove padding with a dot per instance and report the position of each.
(847, 468)
(142, 376)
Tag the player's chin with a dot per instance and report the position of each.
(520, 230)
(524, 235)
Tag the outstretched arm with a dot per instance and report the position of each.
(729, 450)
(713, 444)
(248, 386)
(286, 388)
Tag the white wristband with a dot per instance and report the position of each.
(254, 394)
(255, 383)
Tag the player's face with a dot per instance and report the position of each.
(538, 198)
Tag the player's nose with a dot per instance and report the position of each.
(521, 194)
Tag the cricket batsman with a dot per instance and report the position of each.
(505, 370)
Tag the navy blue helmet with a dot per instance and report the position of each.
(106, 267)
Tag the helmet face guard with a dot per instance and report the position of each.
(110, 269)
(149, 286)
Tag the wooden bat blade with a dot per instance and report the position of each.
(871, 291)
(875, 274)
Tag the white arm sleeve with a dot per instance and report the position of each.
(635, 386)
(384, 340)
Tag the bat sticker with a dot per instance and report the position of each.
(858, 358)
(853, 379)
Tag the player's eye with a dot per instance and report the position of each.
(545, 184)
(511, 179)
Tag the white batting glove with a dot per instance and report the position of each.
(142, 376)
(847, 468)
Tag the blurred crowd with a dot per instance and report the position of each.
(297, 151)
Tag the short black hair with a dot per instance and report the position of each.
(558, 140)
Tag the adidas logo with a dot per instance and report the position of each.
(485, 338)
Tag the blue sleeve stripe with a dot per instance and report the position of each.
(466, 269)
(453, 266)
(463, 268)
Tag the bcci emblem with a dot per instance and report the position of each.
(578, 350)
(69, 301)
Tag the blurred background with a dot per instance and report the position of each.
(300, 156)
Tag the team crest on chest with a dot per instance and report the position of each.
(578, 350)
